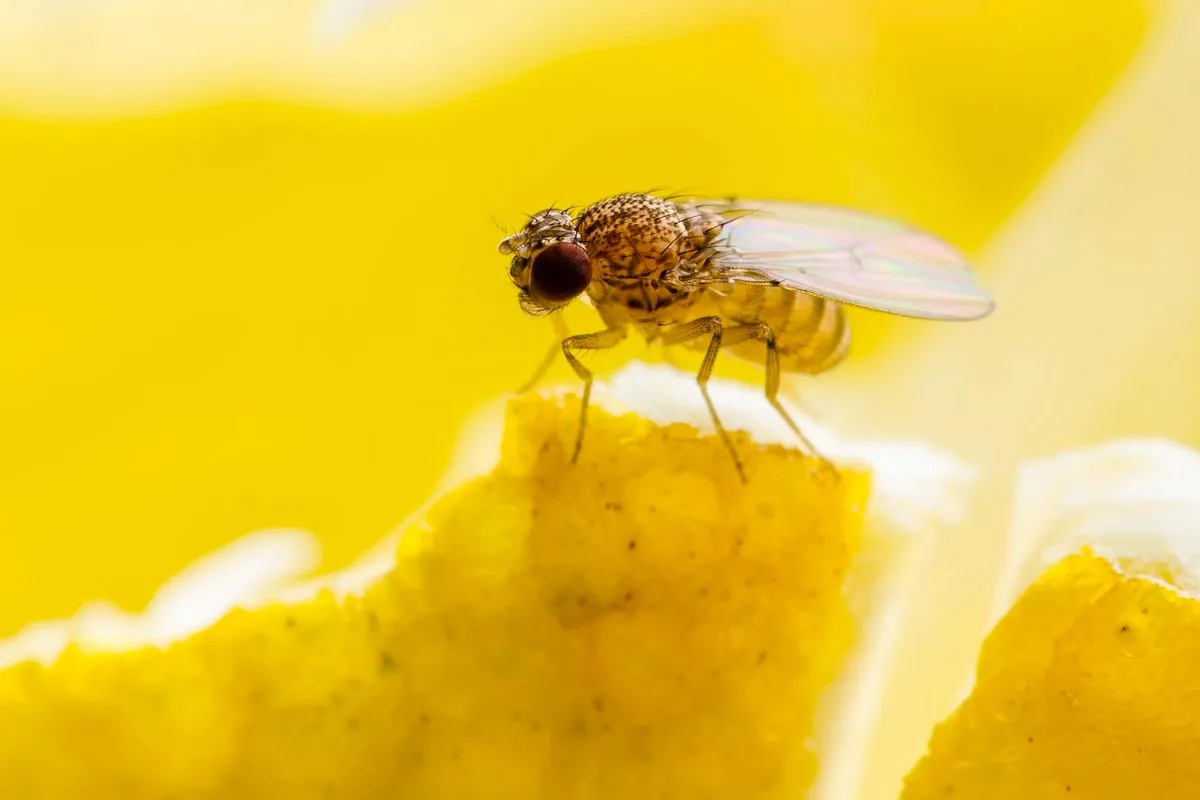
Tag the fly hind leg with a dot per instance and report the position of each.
(762, 332)
(725, 337)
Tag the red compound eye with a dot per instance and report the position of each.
(559, 273)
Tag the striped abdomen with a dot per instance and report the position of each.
(811, 333)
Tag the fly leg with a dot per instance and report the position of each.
(724, 337)
(714, 328)
(762, 332)
(561, 332)
(601, 340)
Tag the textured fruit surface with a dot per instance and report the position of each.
(1088, 688)
(640, 624)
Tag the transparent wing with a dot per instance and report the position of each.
(848, 256)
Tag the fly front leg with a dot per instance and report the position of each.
(560, 333)
(602, 340)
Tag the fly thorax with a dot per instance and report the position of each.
(633, 235)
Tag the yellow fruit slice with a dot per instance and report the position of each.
(1089, 686)
(640, 624)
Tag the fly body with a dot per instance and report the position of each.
(766, 280)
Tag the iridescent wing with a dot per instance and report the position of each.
(845, 255)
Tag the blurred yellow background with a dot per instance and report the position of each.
(249, 274)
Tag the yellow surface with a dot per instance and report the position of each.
(638, 625)
(1086, 689)
(1085, 347)
(243, 314)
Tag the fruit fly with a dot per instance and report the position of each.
(767, 280)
